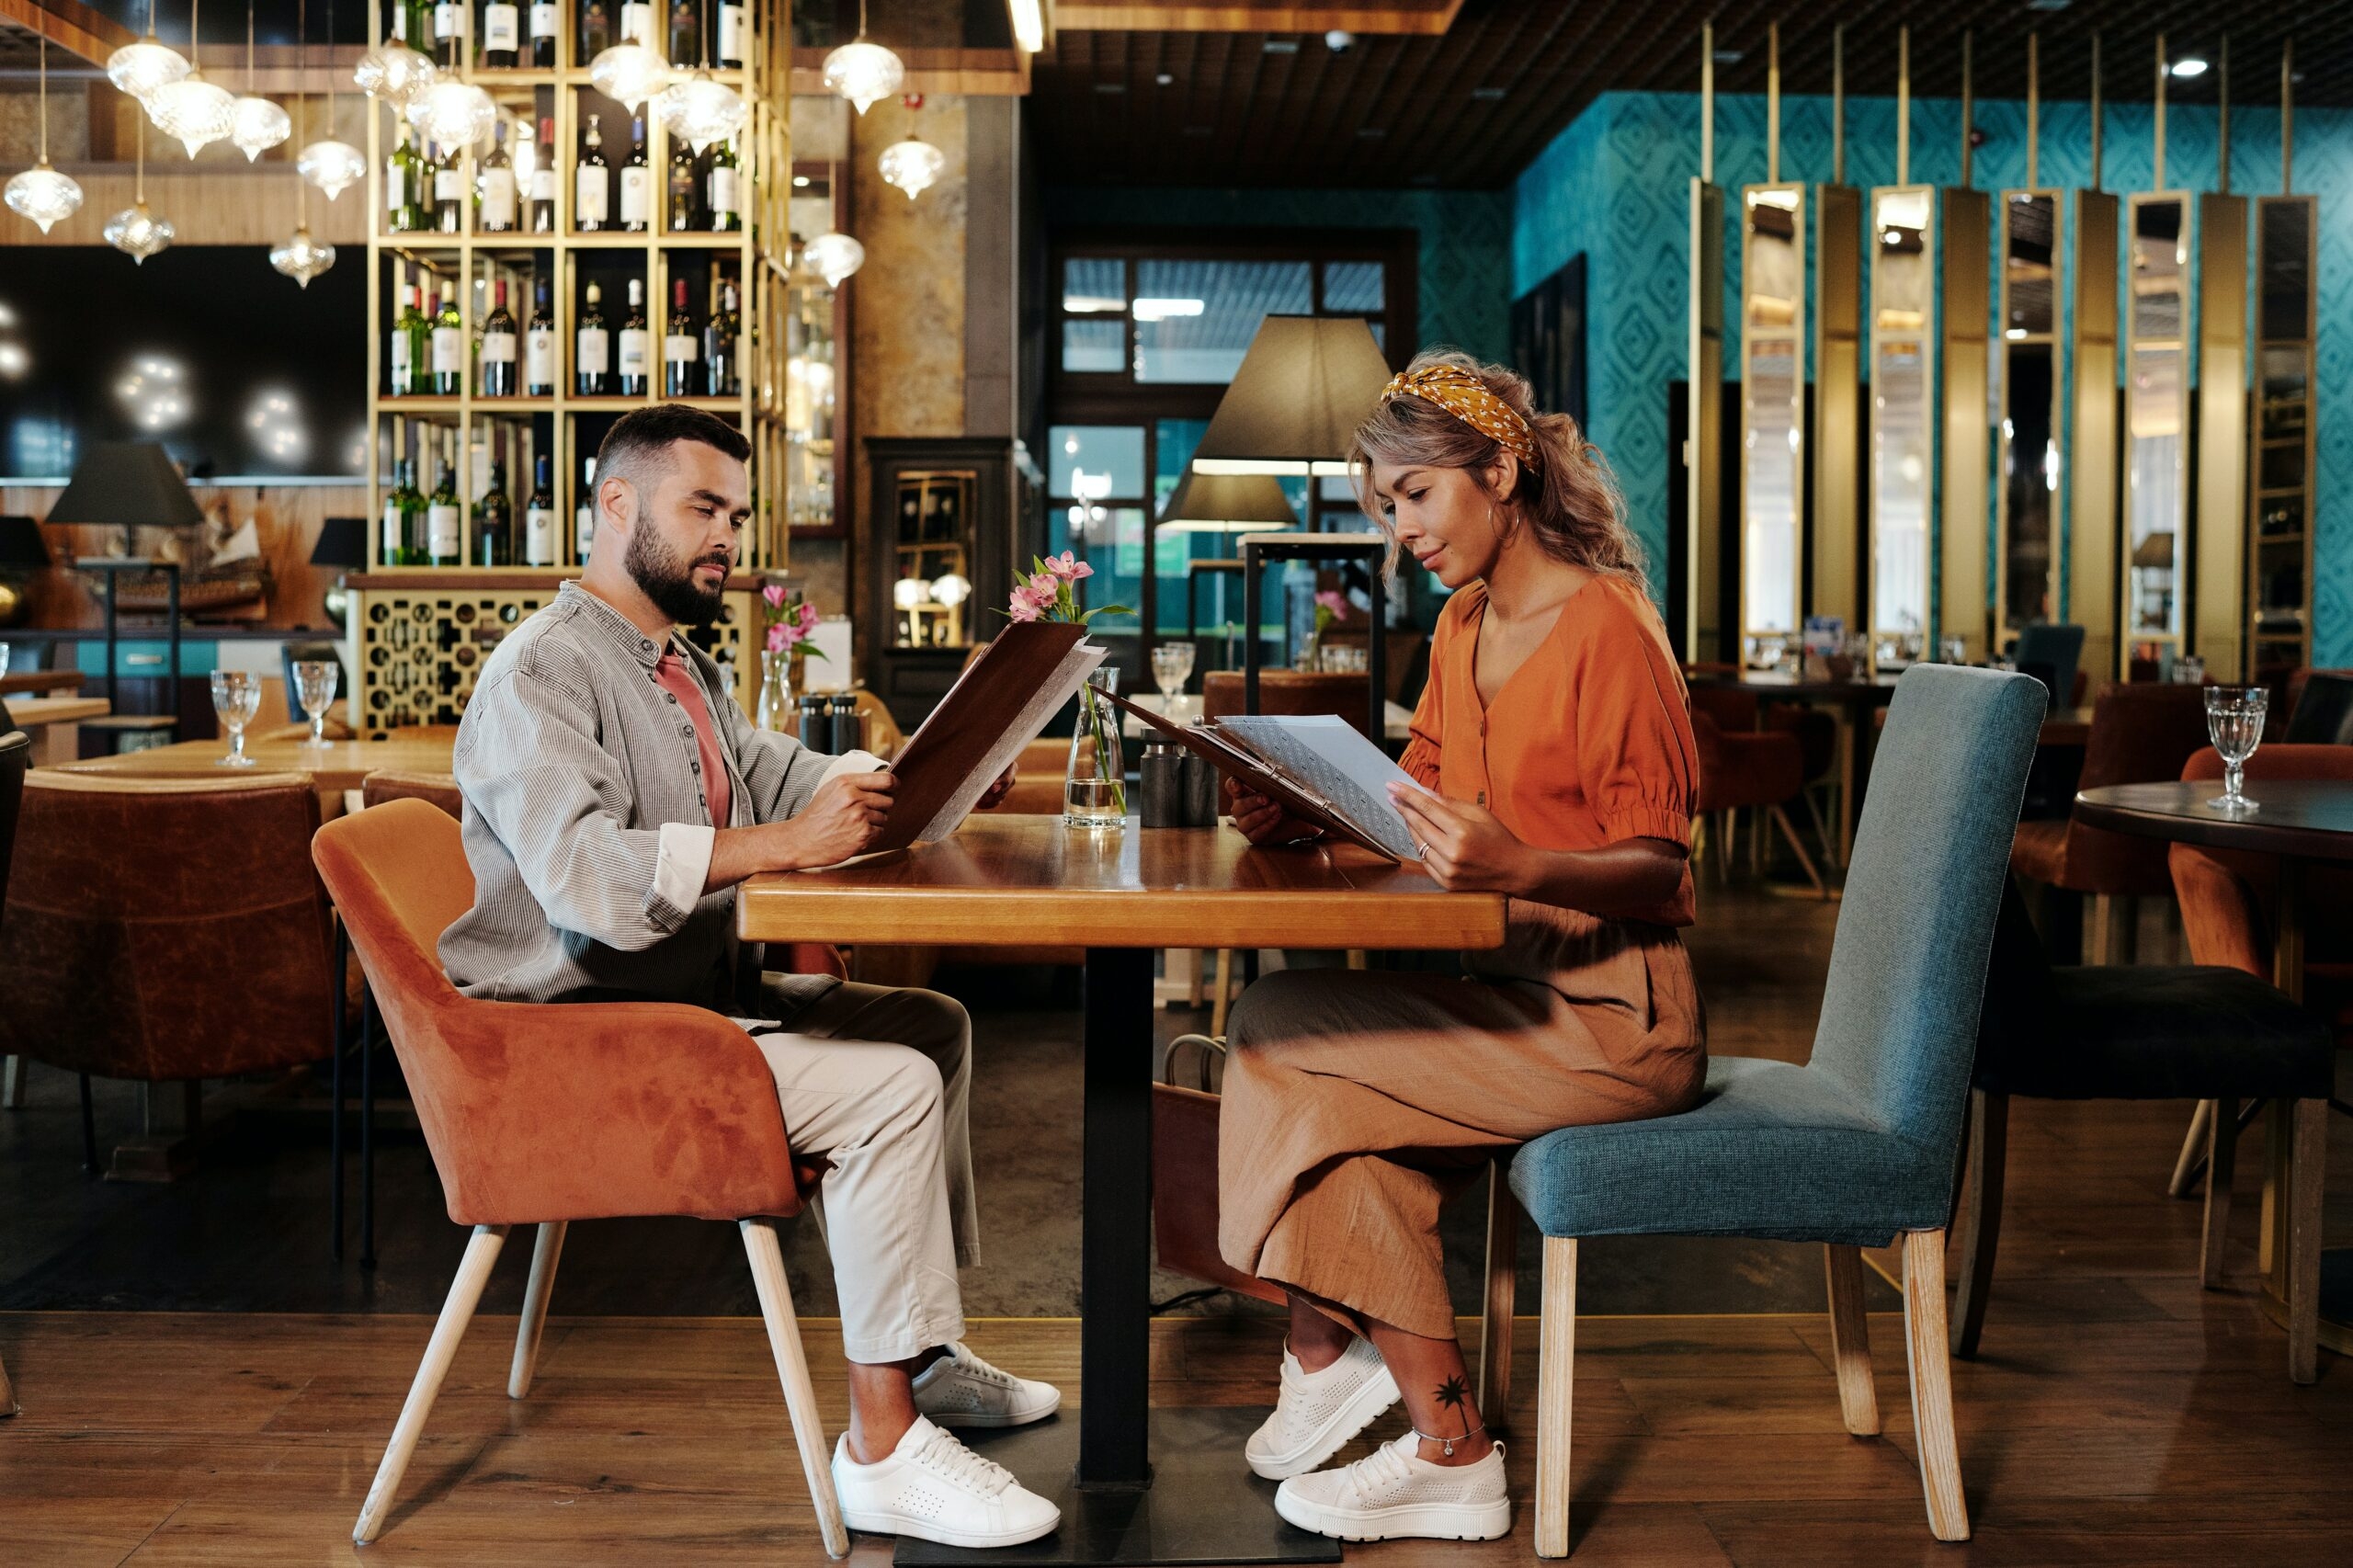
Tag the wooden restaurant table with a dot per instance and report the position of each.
(335, 767)
(1120, 894)
(2298, 820)
(55, 724)
(1852, 698)
(1397, 719)
(40, 680)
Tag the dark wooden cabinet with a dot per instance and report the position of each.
(938, 545)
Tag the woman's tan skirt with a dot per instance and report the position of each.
(1356, 1101)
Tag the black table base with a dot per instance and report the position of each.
(1203, 1505)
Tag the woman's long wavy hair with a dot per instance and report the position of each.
(1569, 497)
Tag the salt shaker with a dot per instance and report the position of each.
(848, 728)
(816, 729)
(1200, 791)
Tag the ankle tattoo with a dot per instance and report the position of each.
(1455, 1397)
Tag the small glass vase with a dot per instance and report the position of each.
(776, 708)
(1095, 790)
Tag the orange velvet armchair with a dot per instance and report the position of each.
(544, 1115)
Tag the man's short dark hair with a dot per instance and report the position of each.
(647, 433)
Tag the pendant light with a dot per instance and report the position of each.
(393, 73)
(834, 255)
(192, 111)
(699, 110)
(135, 231)
(629, 72)
(41, 193)
(256, 124)
(333, 166)
(453, 113)
(863, 73)
(914, 163)
(139, 68)
(302, 257)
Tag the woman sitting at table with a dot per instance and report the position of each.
(1556, 765)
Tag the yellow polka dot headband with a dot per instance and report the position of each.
(1466, 397)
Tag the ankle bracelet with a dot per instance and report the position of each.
(1446, 1444)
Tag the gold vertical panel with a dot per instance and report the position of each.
(1837, 538)
(2092, 589)
(1962, 599)
(2218, 588)
(2280, 439)
(2032, 456)
(1772, 415)
(1703, 456)
(1898, 573)
(2156, 550)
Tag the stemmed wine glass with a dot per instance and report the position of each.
(315, 684)
(1171, 666)
(2234, 723)
(236, 695)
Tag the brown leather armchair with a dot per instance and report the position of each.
(434, 789)
(1289, 692)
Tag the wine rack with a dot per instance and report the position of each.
(457, 424)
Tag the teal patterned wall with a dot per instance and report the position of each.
(1465, 261)
(1615, 185)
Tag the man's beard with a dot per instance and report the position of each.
(670, 581)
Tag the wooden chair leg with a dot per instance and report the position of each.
(1850, 1340)
(1924, 1343)
(1790, 832)
(793, 1370)
(2190, 1162)
(1224, 996)
(2307, 1175)
(1503, 1278)
(465, 1294)
(1821, 824)
(546, 1248)
(2222, 1158)
(1555, 1370)
(8, 1393)
(1194, 976)
(1981, 1216)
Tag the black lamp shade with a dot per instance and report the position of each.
(1303, 388)
(21, 547)
(127, 484)
(1250, 499)
(343, 543)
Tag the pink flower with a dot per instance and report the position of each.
(1334, 601)
(807, 618)
(774, 593)
(1045, 587)
(1068, 566)
(1024, 608)
(777, 641)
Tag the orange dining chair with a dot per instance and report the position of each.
(543, 1115)
(1763, 769)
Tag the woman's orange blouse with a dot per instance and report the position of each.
(1589, 741)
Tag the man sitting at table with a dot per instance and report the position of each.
(615, 794)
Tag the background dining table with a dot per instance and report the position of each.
(55, 724)
(335, 767)
(1850, 699)
(1150, 1486)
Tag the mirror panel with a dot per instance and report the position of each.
(2286, 235)
(1903, 418)
(931, 585)
(2156, 423)
(2028, 501)
(1772, 352)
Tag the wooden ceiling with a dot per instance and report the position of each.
(1468, 108)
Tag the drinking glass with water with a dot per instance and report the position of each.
(237, 696)
(315, 684)
(2234, 723)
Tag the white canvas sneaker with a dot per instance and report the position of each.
(1316, 1413)
(962, 1389)
(1393, 1492)
(933, 1488)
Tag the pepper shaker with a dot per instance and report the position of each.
(1201, 790)
(848, 728)
(816, 729)
(1164, 783)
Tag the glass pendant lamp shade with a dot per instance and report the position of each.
(302, 257)
(333, 166)
(43, 195)
(192, 111)
(393, 73)
(835, 256)
(139, 234)
(629, 74)
(864, 72)
(912, 165)
(455, 114)
(256, 125)
(701, 111)
(139, 68)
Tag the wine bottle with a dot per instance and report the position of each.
(637, 181)
(501, 35)
(595, 31)
(719, 338)
(730, 35)
(444, 520)
(592, 350)
(448, 347)
(725, 187)
(633, 345)
(637, 23)
(543, 181)
(543, 26)
(498, 346)
(403, 25)
(682, 184)
(494, 522)
(494, 186)
(686, 33)
(591, 182)
(449, 31)
(584, 517)
(539, 345)
(404, 510)
(404, 185)
(539, 517)
(449, 193)
(679, 347)
(410, 345)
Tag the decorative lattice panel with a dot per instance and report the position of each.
(422, 649)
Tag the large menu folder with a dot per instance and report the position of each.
(1001, 703)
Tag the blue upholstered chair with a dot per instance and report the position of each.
(1858, 1147)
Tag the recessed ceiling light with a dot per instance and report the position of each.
(1728, 57)
(1487, 95)
(1110, 86)
(1281, 46)
(1166, 78)
(801, 182)
(2188, 66)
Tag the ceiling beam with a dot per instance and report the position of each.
(70, 25)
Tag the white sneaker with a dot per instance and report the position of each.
(1316, 1413)
(933, 1488)
(962, 1389)
(1393, 1492)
